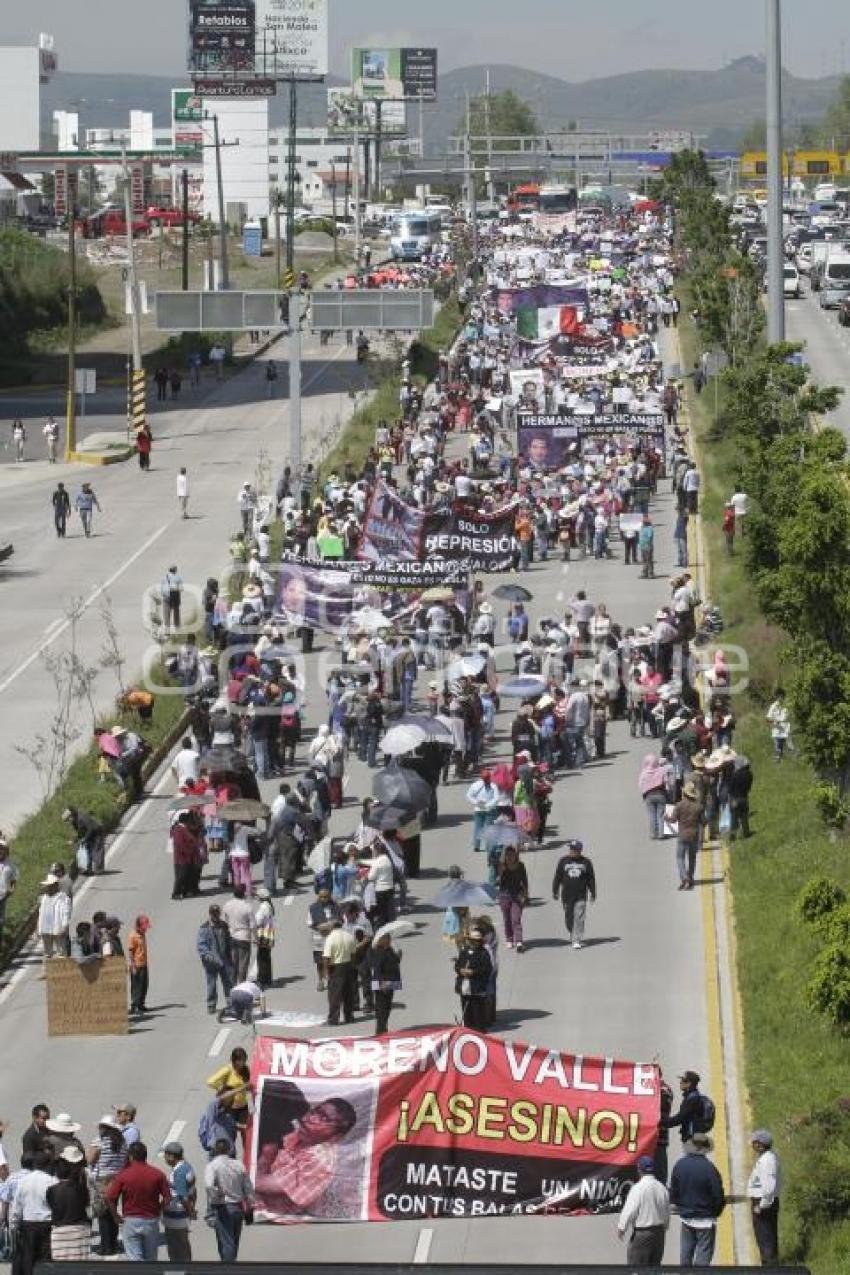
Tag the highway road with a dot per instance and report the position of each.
(827, 349)
(138, 536)
(638, 990)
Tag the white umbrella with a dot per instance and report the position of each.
(368, 620)
(528, 686)
(467, 666)
(400, 740)
(396, 929)
(320, 856)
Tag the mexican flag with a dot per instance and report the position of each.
(541, 325)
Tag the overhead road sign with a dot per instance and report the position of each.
(378, 309)
(221, 311)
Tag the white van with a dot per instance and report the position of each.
(835, 280)
(415, 234)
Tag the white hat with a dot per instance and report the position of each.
(485, 609)
(110, 1122)
(50, 879)
(72, 1154)
(62, 1124)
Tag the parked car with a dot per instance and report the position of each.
(790, 280)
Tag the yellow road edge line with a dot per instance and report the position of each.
(725, 1253)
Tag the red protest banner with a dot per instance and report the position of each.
(444, 1123)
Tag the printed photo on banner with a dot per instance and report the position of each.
(313, 597)
(311, 1149)
(444, 1123)
(547, 442)
(393, 529)
(528, 390)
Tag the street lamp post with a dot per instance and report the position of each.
(775, 252)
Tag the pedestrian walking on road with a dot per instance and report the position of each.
(265, 935)
(137, 964)
(61, 502)
(763, 1189)
(214, 949)
(385, 963)
(655, 781)
(247, 502)
(512, 880)
(86, 503)
(181, 1209)
(234, 1079)
(51, 434)
(144, 445)
(183, 492)
(171, 592)
(340, 972)
(238, 916)
(645, 1217)
(107, 1156)
(160, 377)
(30, 1215)
(696, 1112)
(271, 378)
(19, 440)
(230, 1199)
(574, 882)
(696, 1192)
(176, 381)
(144, 1193)
(687, 814)
(70, 1235)
(473, 969)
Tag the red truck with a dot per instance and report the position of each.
(169, 217)
(110, 222)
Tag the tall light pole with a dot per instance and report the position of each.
(775, 252)
(222, 211)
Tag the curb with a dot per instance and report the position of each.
(100, 458)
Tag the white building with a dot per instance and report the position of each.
(243, 129)
(22, 73)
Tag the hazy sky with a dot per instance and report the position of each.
(570, 38)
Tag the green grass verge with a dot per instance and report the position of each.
(796, 1066)
(43, 838)
(359, 435)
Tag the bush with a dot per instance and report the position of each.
(835, 926)
(818, 899)
(828, 990)
(832, 807)
(819, 1197)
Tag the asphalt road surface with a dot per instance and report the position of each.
(637, 990)
(827, 349)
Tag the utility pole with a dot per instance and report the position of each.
(357, 221)
(71, 401)
(295, 303)
(222, 217)
(347, 182)
(333, 212)
(379, 116)
(277, 197)
(421, 124)
(775, 248)
(291, 173)
(137, 393)
(184, 178)
(489, 132)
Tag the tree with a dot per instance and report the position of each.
(835, 127)
(498, 115)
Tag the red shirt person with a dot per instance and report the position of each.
(143, 1192)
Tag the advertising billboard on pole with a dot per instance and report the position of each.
(187, 113)
(292, 37)
(348, 115)
(222, 36)
(395, 74)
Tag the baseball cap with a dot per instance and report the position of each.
(575, 846)
(646, 1164)
(173, 1148)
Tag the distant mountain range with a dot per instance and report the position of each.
(719, 105)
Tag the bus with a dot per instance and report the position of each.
(557, 204)
(415, 234)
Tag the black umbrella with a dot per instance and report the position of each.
(389, 818)
(512, 593)
(227, 765)
(398, 786)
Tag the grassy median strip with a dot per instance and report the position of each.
(43, 838)
(797, 1066)
(359, 434)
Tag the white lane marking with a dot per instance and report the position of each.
(66, 624)
(174, 1132)
(289, 900)
(112, 852)
(423, 1246)
(54, 625)
(218, 1044)
(319, 373)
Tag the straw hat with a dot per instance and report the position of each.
(62, 1123)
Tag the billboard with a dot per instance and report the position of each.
(292, 37)
(187, 113)
(443, 1123)
(379, 309)
(236, 90)
(348, 115)
(395, 74)
(222, 36)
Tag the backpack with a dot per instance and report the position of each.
(206, 1130)
(704, 1123)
